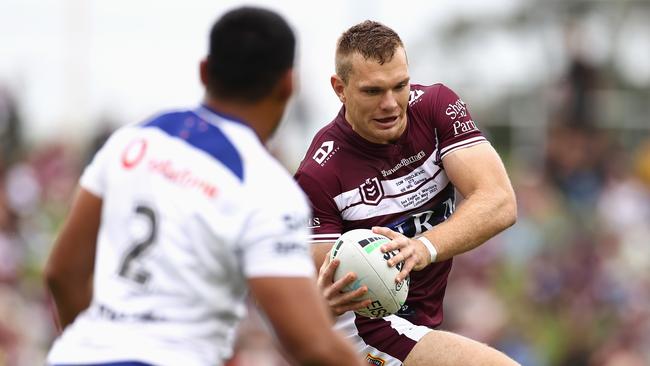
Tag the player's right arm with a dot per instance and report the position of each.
(71, 263)
(70, 266)
(300, 320)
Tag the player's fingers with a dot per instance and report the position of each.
(350, 296)
(352, 306)
(398, 243)
(326, 262)
(390, 234)
(338, 286)
(406, 269)
(328, 268)
(402, 255)
(397, 240)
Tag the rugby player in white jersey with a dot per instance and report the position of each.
(178, 216)
(392, 159)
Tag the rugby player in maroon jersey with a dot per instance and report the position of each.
(392, 160)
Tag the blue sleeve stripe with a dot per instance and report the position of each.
(201, 135)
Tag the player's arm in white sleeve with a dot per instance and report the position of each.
(489, 206)
(280, 274)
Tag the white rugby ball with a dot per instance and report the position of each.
(359, 252)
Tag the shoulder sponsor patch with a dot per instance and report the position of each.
(456, 110)
(462, 127)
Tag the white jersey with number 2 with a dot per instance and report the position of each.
(193, 206)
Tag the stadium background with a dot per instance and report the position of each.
(562, 88)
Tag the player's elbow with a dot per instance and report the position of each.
(59, 276)
(507, 209)
(54, 277)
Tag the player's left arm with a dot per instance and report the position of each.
(69, 268)
(489, 207)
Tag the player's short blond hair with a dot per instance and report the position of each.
(370, 39)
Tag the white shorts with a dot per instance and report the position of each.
(383, 342)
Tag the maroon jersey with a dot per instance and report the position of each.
(353, 183)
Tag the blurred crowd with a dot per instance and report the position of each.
(569, 284)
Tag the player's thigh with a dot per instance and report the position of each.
(445, 348)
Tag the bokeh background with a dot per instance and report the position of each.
(561, 87)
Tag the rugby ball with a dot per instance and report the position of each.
(359, 252)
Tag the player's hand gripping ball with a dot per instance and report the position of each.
(359, 252)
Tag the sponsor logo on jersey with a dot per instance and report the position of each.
(314, 223)
(371, 191)
(113, 315)
(299, 221)
(325, 152)
(456, 110)
(133, 153)
(424, 220)
(461, 127)
(374, 360)
(285, 248)
(415, 95)
(182, 177)
(295, 221)
(404, 162)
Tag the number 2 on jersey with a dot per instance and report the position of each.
(130, 268)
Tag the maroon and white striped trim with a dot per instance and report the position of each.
(324, 238)
(462, 144)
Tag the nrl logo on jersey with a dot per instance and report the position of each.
(415, 95)
(371, 191)
(325, 152)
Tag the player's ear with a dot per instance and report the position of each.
(203, 72)
(339, 87)
(286, 85)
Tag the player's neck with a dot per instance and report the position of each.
(261, 116)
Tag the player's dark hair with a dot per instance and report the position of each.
(250, 50)
(371, 39)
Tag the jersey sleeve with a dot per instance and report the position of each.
(326, 222)
(454, 125)
(276, 241)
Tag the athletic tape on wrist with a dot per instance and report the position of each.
(430, 247)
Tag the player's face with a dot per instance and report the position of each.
(376, 97)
